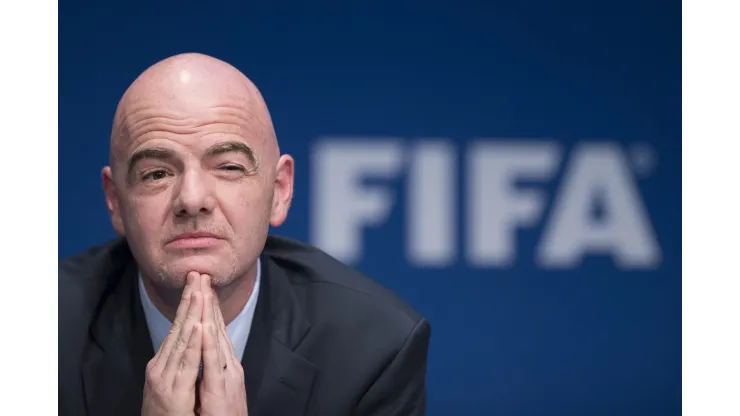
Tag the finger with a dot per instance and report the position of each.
(187, 373)
(209, 316)
(190, 286)
(211, 326)
(180, 316)
(181, 343)
(210, 309)
(220, 321)
(219, 316)
(224, 342)
(224, 345)
(214, 314)
(213, 375)
(205, 283)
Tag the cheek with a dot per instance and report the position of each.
(145, 216)
(246, 211)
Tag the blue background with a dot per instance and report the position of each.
(519, 340)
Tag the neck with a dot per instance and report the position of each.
(232, 297)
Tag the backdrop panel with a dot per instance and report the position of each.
(515, 174)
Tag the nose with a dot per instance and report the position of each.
(193, 196)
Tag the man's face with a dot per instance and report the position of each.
(194, 191)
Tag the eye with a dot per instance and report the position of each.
(155, 175)
(233, 168)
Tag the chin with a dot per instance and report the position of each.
(221, 271)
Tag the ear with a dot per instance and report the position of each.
(283, 190)
(111, 200)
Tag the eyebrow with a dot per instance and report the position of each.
(228, 147)
(149, 153)
(167, 154)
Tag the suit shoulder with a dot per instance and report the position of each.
(86, 267)
(84, 276)
(313, 271)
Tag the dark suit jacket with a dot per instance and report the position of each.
(325, 340)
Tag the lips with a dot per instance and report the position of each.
(195, 240)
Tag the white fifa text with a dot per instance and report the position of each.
(501, 196)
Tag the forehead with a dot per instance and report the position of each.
(190, 124)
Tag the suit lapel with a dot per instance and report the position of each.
(114, 365)
(278, 380)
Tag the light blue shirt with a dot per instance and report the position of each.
(238, 329)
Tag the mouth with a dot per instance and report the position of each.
(194, 240)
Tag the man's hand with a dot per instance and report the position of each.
(172, 373)
(222, 390)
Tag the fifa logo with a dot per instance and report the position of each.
(503, 194)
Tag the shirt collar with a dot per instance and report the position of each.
(238, 329)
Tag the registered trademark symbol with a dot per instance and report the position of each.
(643, 159)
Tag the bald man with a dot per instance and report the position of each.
(195, 309)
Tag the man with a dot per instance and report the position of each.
(196, 309)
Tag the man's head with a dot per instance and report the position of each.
(193, 150)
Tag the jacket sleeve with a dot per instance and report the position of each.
(400, 390)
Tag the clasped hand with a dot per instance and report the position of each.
(198, 334)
